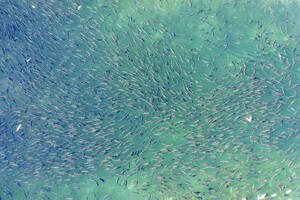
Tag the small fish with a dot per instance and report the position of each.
(288, 191)
(274, 195)
(263, 196)
(18, 127)
(249, 118)
(102, 180)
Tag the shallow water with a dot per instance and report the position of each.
(167, 100)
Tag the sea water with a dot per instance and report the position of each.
(149, 99)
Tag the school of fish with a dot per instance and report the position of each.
(149, 100)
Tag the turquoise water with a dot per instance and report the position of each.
(149, 100)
